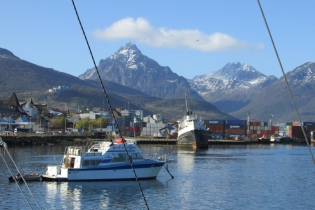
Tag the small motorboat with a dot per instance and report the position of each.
(104, 161)
(26, 177)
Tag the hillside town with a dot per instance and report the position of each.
(22, 117)
(30, 117)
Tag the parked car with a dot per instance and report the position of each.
(40, 132)
(54, 133)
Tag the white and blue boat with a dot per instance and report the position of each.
(104, 161)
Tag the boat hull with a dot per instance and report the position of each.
(26, 177)
(193, 138)
(116, 173)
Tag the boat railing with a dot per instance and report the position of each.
(92, 154)
(77, 151)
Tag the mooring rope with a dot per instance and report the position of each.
(286, 81)
(110, 107)
(2, 143)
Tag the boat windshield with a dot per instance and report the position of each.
(136, 156)
(121, 157)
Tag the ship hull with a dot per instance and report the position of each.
(193, 138)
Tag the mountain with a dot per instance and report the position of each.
(19, 75)
(30, 81)
(232, 87)
(275, 99)
(129, 67)
(236, 88)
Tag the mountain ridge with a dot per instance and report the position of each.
(234, 89)
(129, 67)
(31, 81)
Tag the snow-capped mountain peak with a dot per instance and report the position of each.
(129, 67)
(231, 79)
(129, 55)
(235, 71)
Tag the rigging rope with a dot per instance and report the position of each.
(16, 181)
(110, 107)
(286, 81)
(4, 144)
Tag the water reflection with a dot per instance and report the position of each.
(221, 177)
(98, 195)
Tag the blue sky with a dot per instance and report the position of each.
(191, 37)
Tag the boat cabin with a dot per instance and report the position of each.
(100, 154)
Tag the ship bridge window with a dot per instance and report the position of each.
(119, 157)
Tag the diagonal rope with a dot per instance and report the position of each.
(286, 81)
(16, 181)
(110, 107)
(4, 144)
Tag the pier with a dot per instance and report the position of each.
(84, 139)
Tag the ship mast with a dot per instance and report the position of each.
(188, 111)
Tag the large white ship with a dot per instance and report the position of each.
(191, 130)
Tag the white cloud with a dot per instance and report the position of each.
(140, 30)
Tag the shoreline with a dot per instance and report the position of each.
(84, 139)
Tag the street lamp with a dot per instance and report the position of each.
(248, 133)
(134, 130)
(31, 124)
(65, 123)
(9, 122)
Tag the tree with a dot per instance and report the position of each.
(87, 124)
(58, 122)
(84, 110)
(102, 122)
(83, 124)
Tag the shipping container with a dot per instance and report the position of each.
(308, 124)
(213, 121)
(235, 131)
(236, 126)
(254, 123)
(236, 122)
(295, 132)
(310, 128)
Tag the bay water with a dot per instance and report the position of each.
(255, 176)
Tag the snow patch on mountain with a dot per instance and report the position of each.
(303, 74)
(4, 53)
(233, 78)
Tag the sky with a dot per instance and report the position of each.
(192, 38)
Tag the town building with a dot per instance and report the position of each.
(59, 89)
